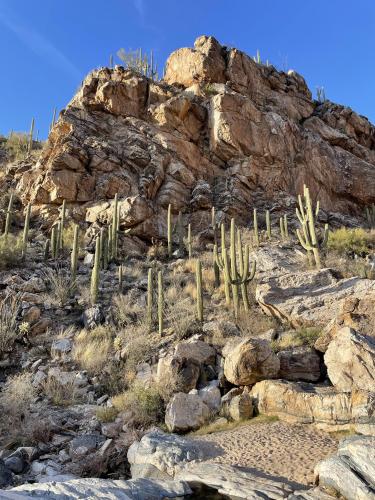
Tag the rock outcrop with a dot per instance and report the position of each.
(219, 129)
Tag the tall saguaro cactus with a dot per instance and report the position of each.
(115, 227)
(268, 224)
(256, 232)
(160, 303)
(180, 232)
(223, 251)
(215, 231)
(62, 225)
(26, 230)
(8, 220)
(198, 279)
(54, 240)
(95, 273)
(284, 233)
(149, 298)
(308, 237)
(189, 242)
(31, 136)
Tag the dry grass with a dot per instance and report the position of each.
(9, 331)
(127, 310)
(220, 426)
(137, 345)
(60, 286)
(92, 348)
(17, 395)
(106, 414)
(145, 404)
(61, 394)
(10, 251)
(348, 267)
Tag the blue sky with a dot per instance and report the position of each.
(48, 46)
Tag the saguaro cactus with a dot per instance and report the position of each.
(95, 273)
(370, 216)
(120, 277)
(150, 297)
(62, 225)
(308, 237)
(54, 238)
(8, 220)
(46, 249)
(74, 254)
(169, 231)
(223, 251)
(180, 232)
(284, 233)
(160, 303)
(31, 136)
(268, 224)
(26, 230)
(198, 279)
(115, 227)
(215, 231)
(256, 232)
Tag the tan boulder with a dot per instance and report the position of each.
(249, 361)
(350, 361)
(186, 412)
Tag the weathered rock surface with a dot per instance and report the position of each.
(242, 130)
(299, 363)
(350, 473)
(309, 298)
(186, 412)
(157, 454)
(249, 361)
(350, 361)
(321, 405)
(151, 489)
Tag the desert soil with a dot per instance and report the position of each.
(275, 448)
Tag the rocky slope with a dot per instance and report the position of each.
(220, 129)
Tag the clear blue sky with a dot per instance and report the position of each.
(48, 46)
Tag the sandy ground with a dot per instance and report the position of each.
(276, 448)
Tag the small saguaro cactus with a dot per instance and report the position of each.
(110, 242)
(215, 231)
(189, 242)
(160, 303)
(46, 249)
(111, 61)
(62, 225)
(223, 251)
(284, 233)
(169, 231)
(8, 220)
(308, 237)
(74, 254)
(26, 230)
(268, 224)
(31, 136)
(95, 273)
(150, 297)
(256, 232)
(198, 279)
(54, 238)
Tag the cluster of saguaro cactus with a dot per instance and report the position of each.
(370, 216)
(236, 269)
(284, 233)
(150, 300)
(307, 234)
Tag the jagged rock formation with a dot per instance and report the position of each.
(220, 129)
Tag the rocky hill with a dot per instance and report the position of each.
(220, 130)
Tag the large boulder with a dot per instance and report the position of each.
(186, 412)
(299, 363)
(249, 361)
(310, 298)
(313, 404)
(350, 473)
(157, 454)
(350, 361)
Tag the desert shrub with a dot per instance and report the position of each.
(10, 250)
(60, 393)
(346, 241)
(348, 267)
(137, 346)
(127, 310)
(295, 338)
(9, 330)
(106, 413)
(91, 348)
(60, 285)
(145, 404)
(17, 145)
(255, 322)
(17, 395)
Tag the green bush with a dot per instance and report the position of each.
(351, 241)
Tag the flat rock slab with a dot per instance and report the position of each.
(310, 298)
(105, 489)
(234, 481)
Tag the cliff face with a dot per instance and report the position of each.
(219, 130)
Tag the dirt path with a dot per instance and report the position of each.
(276, 448)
